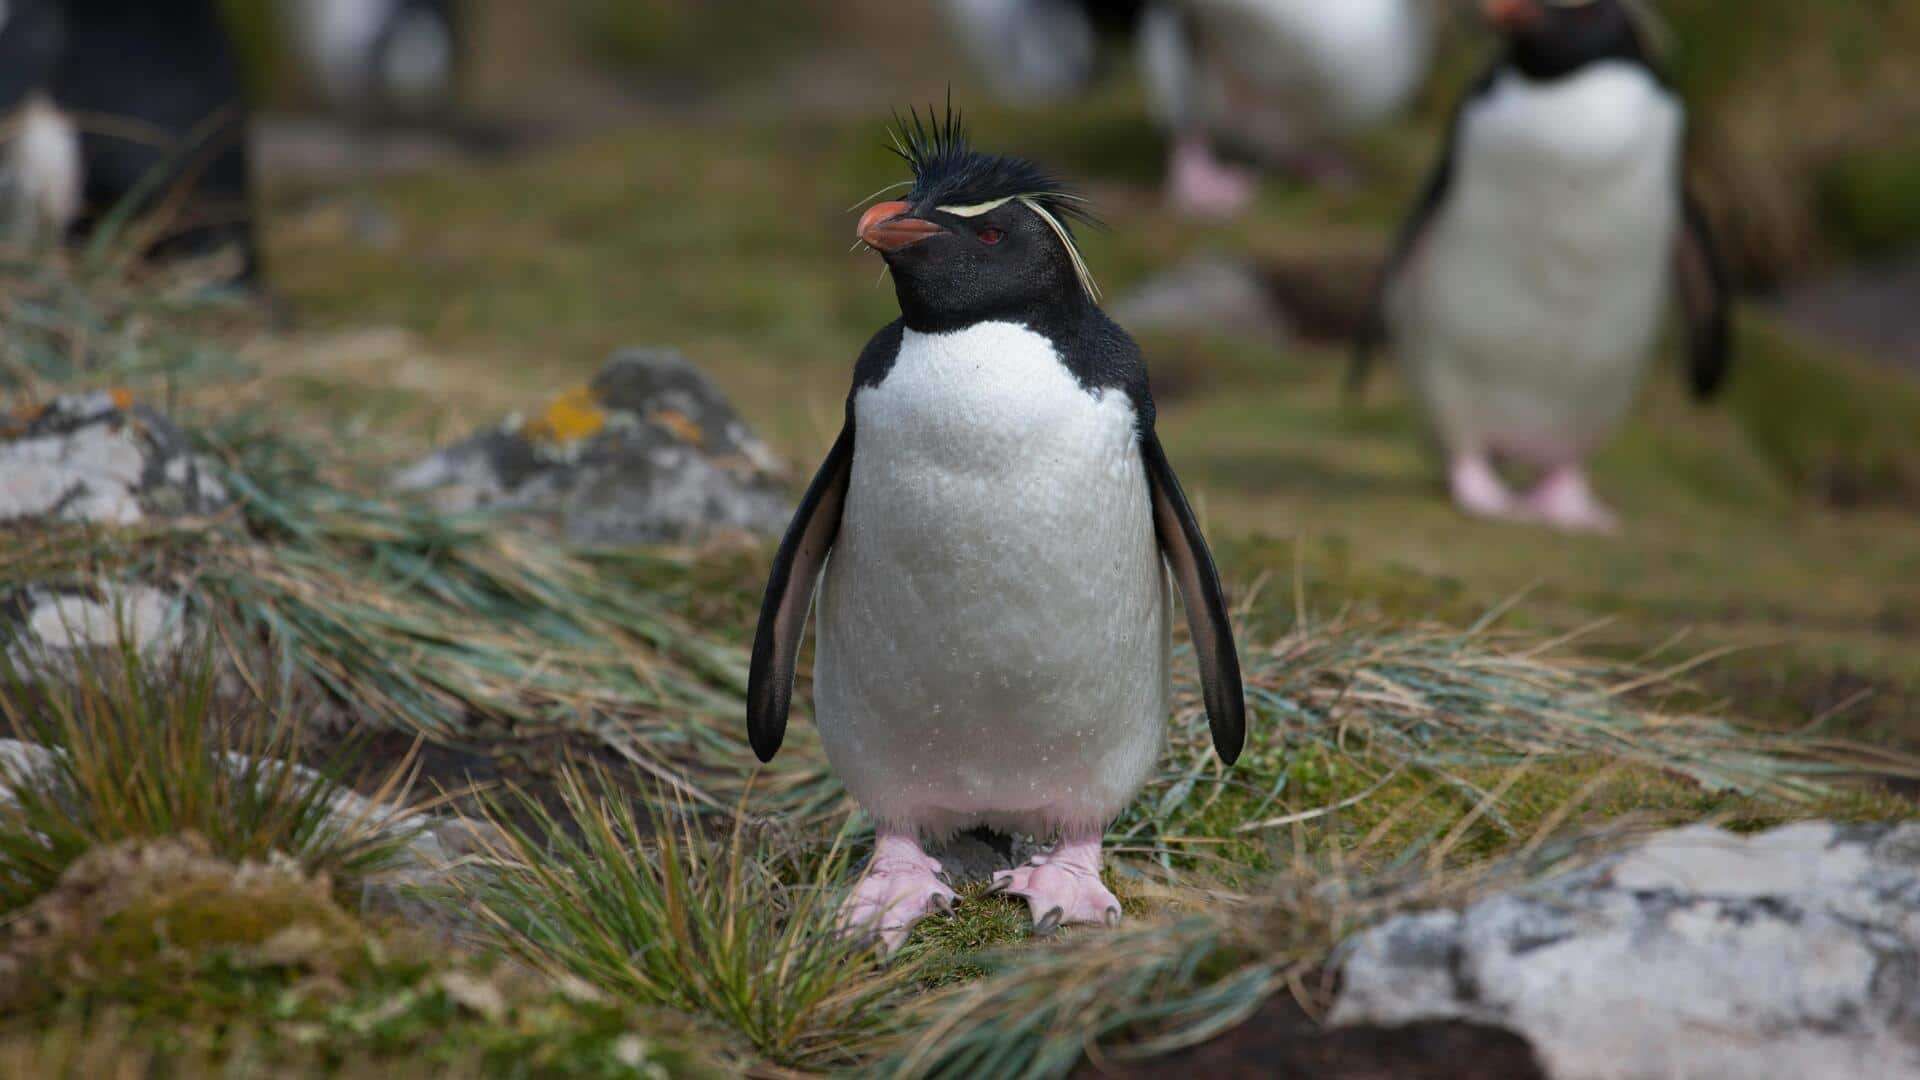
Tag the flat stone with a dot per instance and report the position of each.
(1698, 953)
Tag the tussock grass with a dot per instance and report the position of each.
(655, 911)
(142, 748)
(1350, 719)
(101, 317)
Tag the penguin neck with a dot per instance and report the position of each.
(1058, 315)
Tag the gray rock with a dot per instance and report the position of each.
(49, 629)
(1212, 294)
(100, 457)
(648, 452)
(1699, 953)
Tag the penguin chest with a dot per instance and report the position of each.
(992, 623)
(1532, 305)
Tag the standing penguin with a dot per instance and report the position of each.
(125, 108)
(383, 59)
(993, 624)
(1525, 292)
(1285, 73)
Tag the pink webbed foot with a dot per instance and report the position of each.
(900, 887)
(1200, 185)
(1565, 500)
(1478, 490)
(1062, 887)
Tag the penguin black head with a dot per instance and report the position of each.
(1551, 39)
(980, 236)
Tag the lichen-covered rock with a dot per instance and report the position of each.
(100, 457)
(1700, 953)
(648, 452)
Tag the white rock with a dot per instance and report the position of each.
(1699, 953)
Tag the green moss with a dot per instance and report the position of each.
(1837, 430)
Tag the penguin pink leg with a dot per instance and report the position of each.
(1566, 500)
(1477, 489)
(901, 886)
(1200, 185)
(1063, 886)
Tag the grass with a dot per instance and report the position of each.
(157, 958)
(657, 912)
(140, 748)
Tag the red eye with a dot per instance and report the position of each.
(989, 236)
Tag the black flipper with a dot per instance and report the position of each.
(783, 614)
(1372, 334)
(1192, 564)
(1705, 293)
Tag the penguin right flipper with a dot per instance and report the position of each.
(1186, 552)
(1705, 294)
(783, 614)
(1372, 333)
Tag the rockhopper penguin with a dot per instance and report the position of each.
(995, 521)
(1526, 290)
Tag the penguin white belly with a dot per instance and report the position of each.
(993, 621)
(41, 171)
(1526, 318)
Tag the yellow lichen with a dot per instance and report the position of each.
(679, 425)
(571, 417)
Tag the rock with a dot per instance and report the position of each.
(100, 457)
(1699, 953)
(44, 628)
(648, 452)
(1213, 294)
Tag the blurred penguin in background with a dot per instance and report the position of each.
(379, 59)
(1279, 77)
(125, 112)
(1274, 78)
(1526, 291)
(1032, 52)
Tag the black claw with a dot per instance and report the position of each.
(1049, 922)
(1113, 916)
(942, 903)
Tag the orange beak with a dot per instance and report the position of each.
(1511, 16)
(885, 228)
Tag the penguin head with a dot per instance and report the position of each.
(1551, 39)
(979, 236)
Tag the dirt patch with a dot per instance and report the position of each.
(1280, 1042)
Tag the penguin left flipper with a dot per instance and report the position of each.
(1704, 293)
(1186, 552)
(783, 614)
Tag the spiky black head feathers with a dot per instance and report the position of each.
(948, 171)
